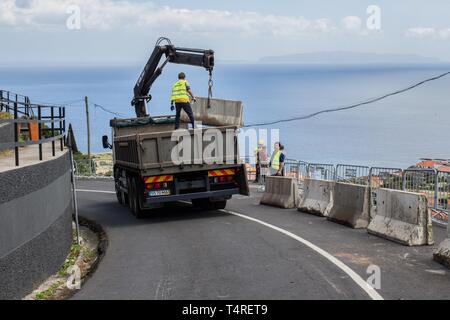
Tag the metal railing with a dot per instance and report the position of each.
(48, 122)
(352, 174)
(321, 171)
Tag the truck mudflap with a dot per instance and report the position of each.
(243, 182)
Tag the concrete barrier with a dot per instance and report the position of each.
(350, 205)
(281, 192)
(317, 197)
(402, 217)
(442, 253)
(222, 112)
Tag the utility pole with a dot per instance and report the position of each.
(88, 128)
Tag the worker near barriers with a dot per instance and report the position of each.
(261, 161)
(276, 163)
(181, 97)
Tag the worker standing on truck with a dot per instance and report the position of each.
(276, 164)
(182, 96)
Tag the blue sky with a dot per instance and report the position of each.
(34, 32)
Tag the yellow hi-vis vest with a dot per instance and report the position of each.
(275, 160)
(179, 92)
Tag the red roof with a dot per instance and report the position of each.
(430, 163)
(444, 168)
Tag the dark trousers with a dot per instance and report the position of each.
(186, 106)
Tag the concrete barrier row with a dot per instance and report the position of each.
(343, 203)
(281, 192)
(400, 216)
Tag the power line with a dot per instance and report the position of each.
(352, 106)
(118, 114)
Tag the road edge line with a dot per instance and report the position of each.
(373, 294)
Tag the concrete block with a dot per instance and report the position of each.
(317, 197)
(442, 253)
(402, 217)
(281, 192)
(221, 113)
(350, 205)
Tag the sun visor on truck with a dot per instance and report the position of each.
(222, 112)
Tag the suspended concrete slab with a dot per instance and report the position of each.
(221, 113)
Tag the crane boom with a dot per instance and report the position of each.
(152, 70)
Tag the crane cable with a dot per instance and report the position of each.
(352, 106)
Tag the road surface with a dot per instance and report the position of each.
(248, 252)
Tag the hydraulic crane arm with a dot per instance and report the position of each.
(152, 70)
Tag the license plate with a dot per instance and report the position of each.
(157, 193)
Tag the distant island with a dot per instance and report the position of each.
(342, 57)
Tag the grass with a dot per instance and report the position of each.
(71, 259)
(5, 115)
(48, 293)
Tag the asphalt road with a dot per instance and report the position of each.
(179, 252)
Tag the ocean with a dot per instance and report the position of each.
(395, 132)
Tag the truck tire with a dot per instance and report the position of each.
(122, 197)
(220, 204)
(135, 199)
(130, 194)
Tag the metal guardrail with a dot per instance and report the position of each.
(32, 115)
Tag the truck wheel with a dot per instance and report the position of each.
(122, 197)
(130, 194)
(220, 204)
(135, 199)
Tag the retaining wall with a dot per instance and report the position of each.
(35, 224)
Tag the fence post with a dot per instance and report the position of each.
(16, 134)
(436, 188)
(404, 181)
(40, 132)
(60, 132)
(53, 130)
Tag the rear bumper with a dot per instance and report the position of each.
(189, 196)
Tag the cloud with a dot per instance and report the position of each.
(113, 15)
(352, 23)
(428, 33)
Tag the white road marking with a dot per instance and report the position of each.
(373, 294)
(95, 191)
(352, 274)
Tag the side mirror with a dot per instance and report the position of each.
(105, 142)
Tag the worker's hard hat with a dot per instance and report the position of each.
(261, 142)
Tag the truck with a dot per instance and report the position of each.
(153, 167)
